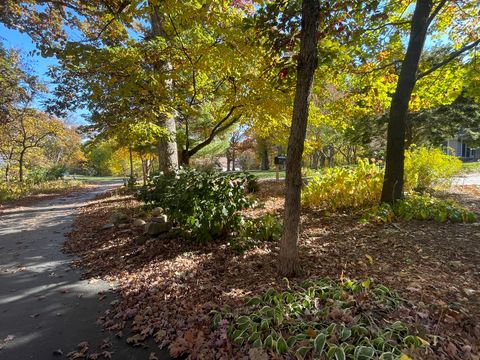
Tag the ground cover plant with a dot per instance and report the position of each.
(421, 207)
(168, 288)
(323, 319)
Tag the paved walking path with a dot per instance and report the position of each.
(471, 179)
(44, 305)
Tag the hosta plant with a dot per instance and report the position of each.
(322, 320)
(421, 207)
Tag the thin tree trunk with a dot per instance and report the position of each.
(265, 163)
(144, 169)
(185, 158)
(394, 163)
(20, 166)
(233, 160)
(7, 172)
(307, 63)
(131, 162)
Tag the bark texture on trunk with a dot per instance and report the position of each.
(167, 147)
(395, 158)
(289, 264)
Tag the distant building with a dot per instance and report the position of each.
(460, 148)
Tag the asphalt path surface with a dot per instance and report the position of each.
(46, 309)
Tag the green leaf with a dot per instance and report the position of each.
(282, 346)
(363, 353)
(291, 341)
(302, 352)
(340, 353)
(243, 320)
(268, 341)
(346, 333)
(387, 356)
(252, 338)
(257, 343)
(320, 343)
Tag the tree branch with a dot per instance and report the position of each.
(218, 128)
(436, 11)
(448, 59)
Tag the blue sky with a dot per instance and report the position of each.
(38, 64)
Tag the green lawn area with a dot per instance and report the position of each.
(89, 179)
(266, 174)
(471, 167)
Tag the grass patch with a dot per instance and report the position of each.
(94, 179)
(471, 167)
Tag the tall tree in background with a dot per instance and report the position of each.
(423, 16)
(394, 169)
(307, 63)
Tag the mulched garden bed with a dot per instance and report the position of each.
(167, 288)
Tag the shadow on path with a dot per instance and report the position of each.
(44, 304)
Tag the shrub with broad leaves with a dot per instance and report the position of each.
(206, 205)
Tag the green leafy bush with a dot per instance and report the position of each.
(205, 204)
(421, 207)
(254, 232)
(429, 168)
(340, 188)
(322, 319)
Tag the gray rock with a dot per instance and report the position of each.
(156, 228)
(162, 219)
(122, 226)
(118, 218)
(139, 222)
(108, 226)
(157, 211)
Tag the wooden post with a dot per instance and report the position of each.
(277, 174)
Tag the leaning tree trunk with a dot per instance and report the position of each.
(394, 162)
(307, 63)
(167, 146)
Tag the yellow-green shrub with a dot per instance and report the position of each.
(339, 188)
(421, 207)
(13, 190)
(429, 168)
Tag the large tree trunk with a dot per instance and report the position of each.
(167, 147)
(394, 163)
(307, 63)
